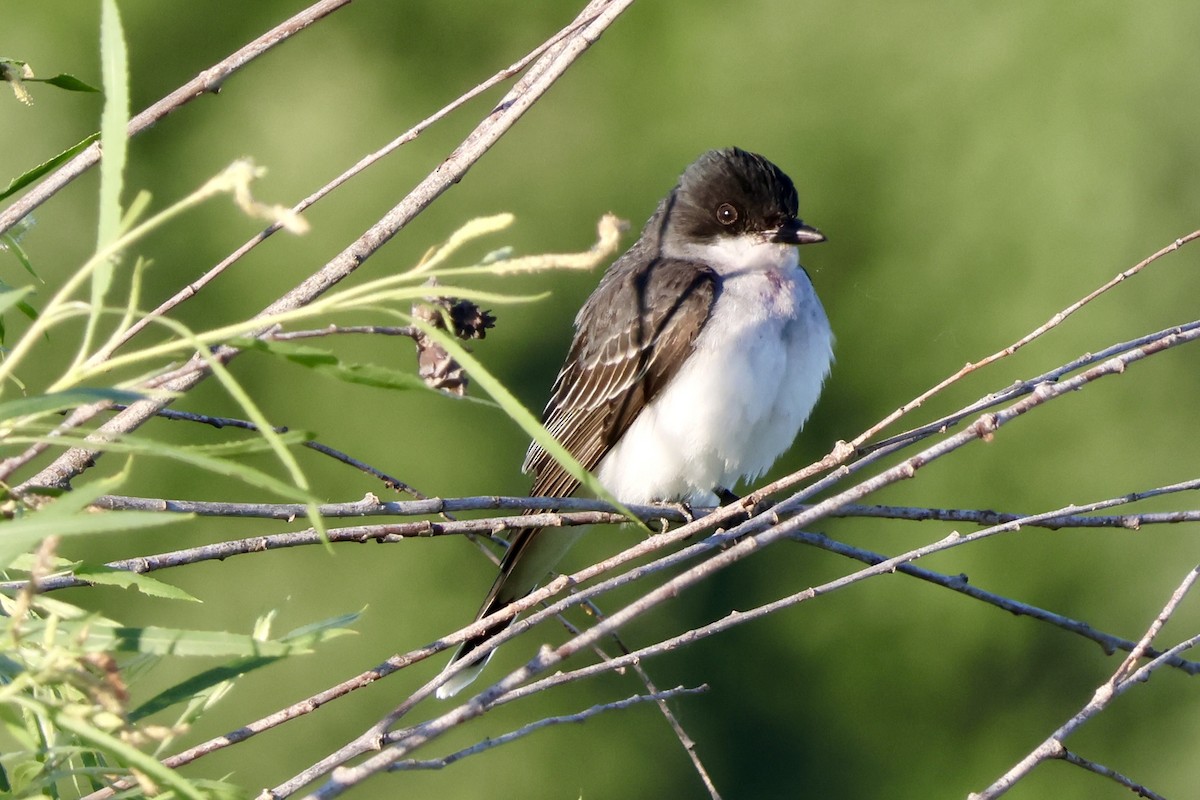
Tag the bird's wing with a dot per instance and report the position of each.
(630, 340)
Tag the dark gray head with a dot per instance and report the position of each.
(731, 193)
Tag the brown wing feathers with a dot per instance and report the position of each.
(604, 385)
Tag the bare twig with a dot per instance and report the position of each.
(581, 716)
(1021, 388)
(1100, 769)
(1036, 333)
(383, 533)
(371, 506)
(689, 745)
(296, 509)
(960, 584)
(1120, 681)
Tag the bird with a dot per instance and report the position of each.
(694, 364)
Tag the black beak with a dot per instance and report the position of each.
(794, 231)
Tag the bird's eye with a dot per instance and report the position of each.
(726, 214)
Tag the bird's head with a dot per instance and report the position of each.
(731, 194)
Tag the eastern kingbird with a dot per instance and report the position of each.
(695, 362)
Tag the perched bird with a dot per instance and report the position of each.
(695, 362)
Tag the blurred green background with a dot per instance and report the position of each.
(976, 167)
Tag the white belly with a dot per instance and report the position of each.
(738, 401)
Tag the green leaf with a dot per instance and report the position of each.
(153, 640)
(136, 445)
(317, 632)
(198, 684)
(248, 446)
(61, 401)
(307, 635)
(9, 242)
(20, 535)
(327, 363)
(66, 81)
(107, 576)
(114, 140)
(12, 297)
(21, 181)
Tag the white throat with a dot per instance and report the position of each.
(729, 255)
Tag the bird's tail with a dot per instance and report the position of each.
(470, 671)
(531, 555)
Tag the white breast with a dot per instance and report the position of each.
(739, 400)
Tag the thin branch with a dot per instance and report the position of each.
(207, 82)
(689, 744)
(1036, 333)
(843, 451)
(391, 533)
(582, 716)
(738, 618)
(1021, 388)
(960, 584)
(385, 533)
(409, 331)
(1100, 769)
(389, 481)
(371, 506)
(1120, 681)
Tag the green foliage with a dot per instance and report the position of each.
(324, 362)
(35, 173)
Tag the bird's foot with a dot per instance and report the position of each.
(745, 514)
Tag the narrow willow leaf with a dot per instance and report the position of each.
(13, 297)
(96, 637)
(66, 81)
(21, 181)
(316, 632)
(197, 684)
(19, 535)
(62, 401)
(328, 364)
(313, 633)
(114, 142)
(107, 576)
(9, 243)
(247, 446)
